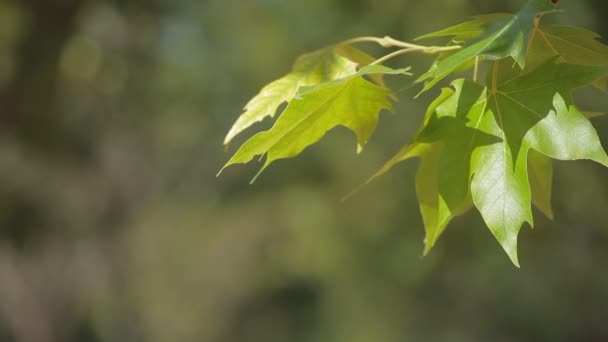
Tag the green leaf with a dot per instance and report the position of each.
(310, 69)
(500, 188)
(361, 58)
(566, 134)
(468, 30)
(447, 138)
(444, 193)
(353, 102)
(573, 44)
(509, 38)
(528, 112)
(568, 44)
(485, 147)
(530, 96)
(482, 143)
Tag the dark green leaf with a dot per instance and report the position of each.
(508, 39)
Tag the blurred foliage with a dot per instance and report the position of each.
(113, 226)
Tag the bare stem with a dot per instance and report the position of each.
(393, 55)
(476, 69)
(423, 49)
(384, 42)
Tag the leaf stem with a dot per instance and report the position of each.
(406, 47)
(423, 49)
(384, 42)
(476, 69)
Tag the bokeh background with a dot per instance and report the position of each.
(113, 226)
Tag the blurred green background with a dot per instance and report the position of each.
(113, 226)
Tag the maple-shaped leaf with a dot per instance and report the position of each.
(453, 128)
(444, 146)
(566, 134)
(508, 38)
(353, 102)
(309, 69)
(529, 112)
(573, 44)
(479, 140)
(531, 94)
(540, 169)
(567, 43)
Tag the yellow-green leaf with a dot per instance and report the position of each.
(309, 69)
(353, 102)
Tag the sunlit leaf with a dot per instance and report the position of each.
(310, 69)
(444, 146)
(453, 127)
(529, 112)
(361, 58)
(485, 146)
(353, 102)
(566, 134)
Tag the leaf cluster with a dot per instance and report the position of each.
(485, 144)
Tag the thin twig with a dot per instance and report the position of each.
(423, 49)
(476, 69)
(384, 42)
